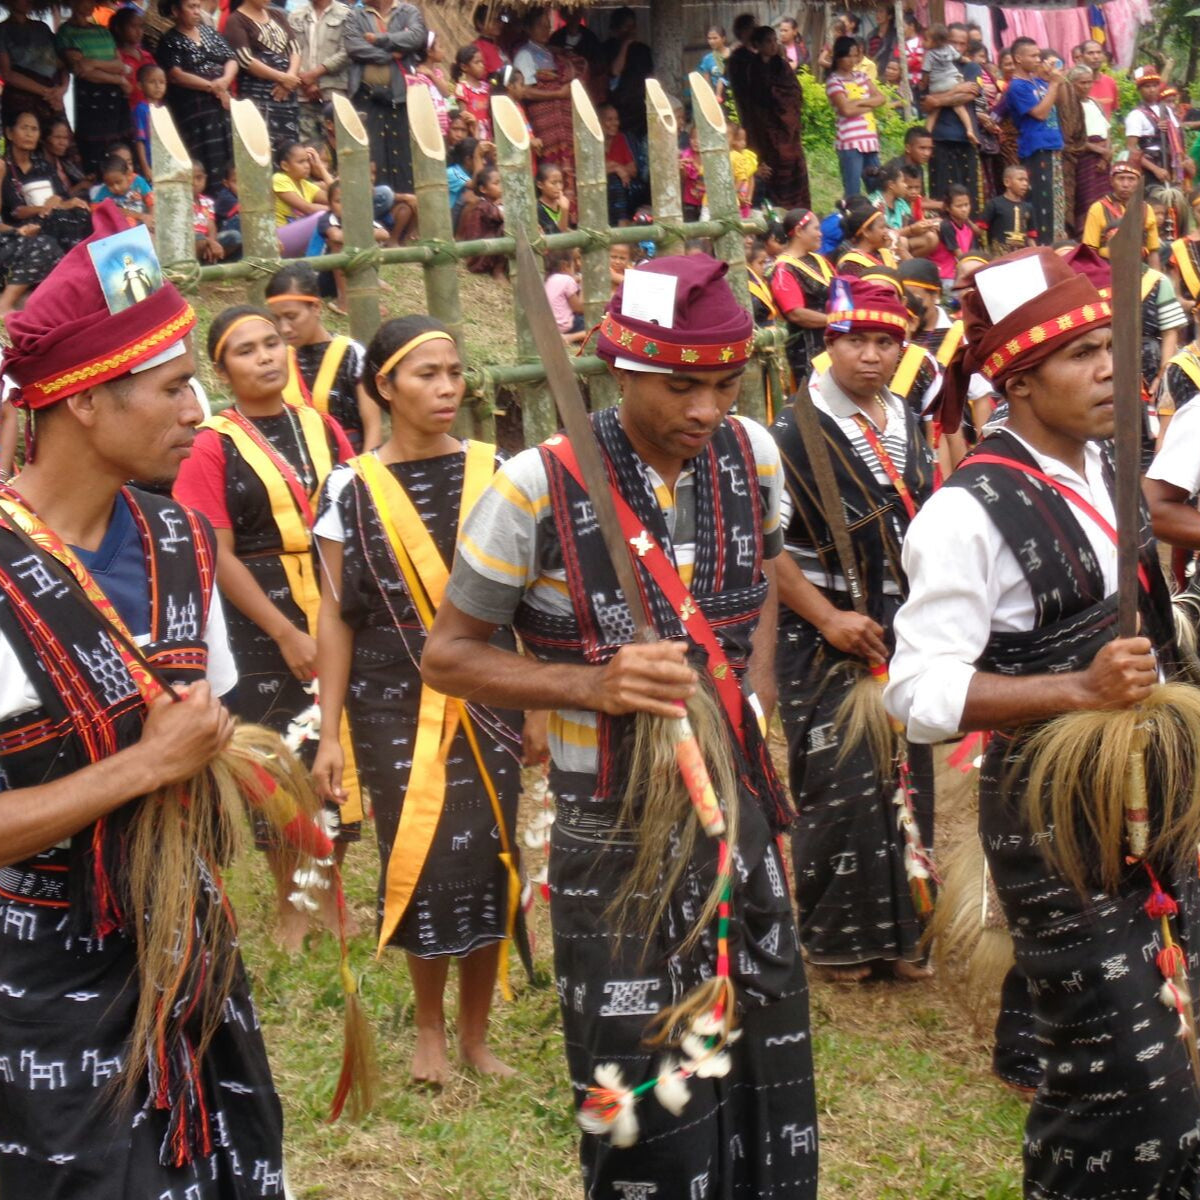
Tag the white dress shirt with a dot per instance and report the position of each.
(965, 584)
(1178, 460)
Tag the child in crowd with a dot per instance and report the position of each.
(957, 235)
(483, 217)
(127, 190)
(301, 187)
(204, 218)
(620, 259)
(152, 82)
(472, 90)
(429, 71)
(1008, 219)
(776, 242)
(762, 303)
(554, 212)
(745, 168)
(691, 177)
(625, 190)
(225, 202)
(127, 27)
(942, 75)
(562, 290)
(465, 163)
(461, 127)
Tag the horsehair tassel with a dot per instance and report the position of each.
(695, 776)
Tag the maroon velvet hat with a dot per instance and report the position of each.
(866, 305)
(686, 319)
(66, 339)
(1084, 260)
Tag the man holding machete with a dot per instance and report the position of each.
(702, 491)
(856, 472)
(1010, 624)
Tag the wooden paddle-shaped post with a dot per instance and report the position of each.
(256, 200)
(174, 239)
(358, 217)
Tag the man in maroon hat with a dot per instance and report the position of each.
(1012, 568)
(704, 487)
(1152, 134)
(107, 590)
(857, 914)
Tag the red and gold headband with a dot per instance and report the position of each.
(1069, 325)
(671, 354)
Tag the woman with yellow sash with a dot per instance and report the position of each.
(254, 472)
(867, 240)
(443, 776)
(324, 370)
(1185, 263)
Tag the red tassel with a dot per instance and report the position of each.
(303, 834)
(1170, 961)
(1160, 903)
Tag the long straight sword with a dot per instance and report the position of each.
(564, 386)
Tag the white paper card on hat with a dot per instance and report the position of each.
(1003, 288)
(650, 297)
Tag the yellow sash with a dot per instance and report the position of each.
(323, 384)
(295, 537)
(950, 344)
(823, 273)
(906, 370)
(1187, 362)
(820, 364)
(438, 717)
(294, 390)
(758, 287)
(1150, 277)
(1187, 266)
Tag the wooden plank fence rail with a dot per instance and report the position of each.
(438, 254)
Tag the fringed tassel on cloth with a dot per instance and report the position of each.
(186, 935)
(1172, 964)
(1079, 786)
(697, 1030)
(969, 934)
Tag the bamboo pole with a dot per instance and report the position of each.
(663, 132)
(420, 252)
(256, 200)
(520, 212)
(358, 217)
(713, 136)
(174, 239)
(437, 225)
(591, 184)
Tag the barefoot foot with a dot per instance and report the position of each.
(854, 974)
(479, 1057)
(430, 1065)
(911, 972)
(290, 929)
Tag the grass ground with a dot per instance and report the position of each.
(907, 1108)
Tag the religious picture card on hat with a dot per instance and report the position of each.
(1005, 286)
(126, 267)
(649, 296)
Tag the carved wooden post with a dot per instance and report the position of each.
(520, 212)
(663, 133)
(358, 217)
(256, 200)
(723, 203)
(174, 239)
(591, 182)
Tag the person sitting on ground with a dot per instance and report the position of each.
(299, 198)
(483, 217)
(563, 292)
(626, 191)
(204, 219)
(127, 190)
(466, 161)
(58, 149)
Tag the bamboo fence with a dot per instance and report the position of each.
(438, 254)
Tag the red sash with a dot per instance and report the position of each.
(660, 568)
(1068, 493)
(889, 467)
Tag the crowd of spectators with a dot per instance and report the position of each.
(997, 153)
